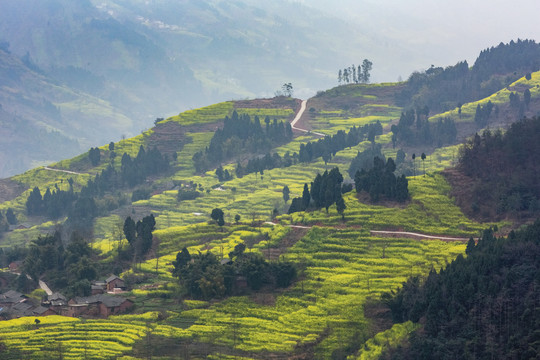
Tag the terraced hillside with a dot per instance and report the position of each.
(331, 311)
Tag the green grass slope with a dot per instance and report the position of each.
(343, 266)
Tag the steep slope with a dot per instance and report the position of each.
(481, 306)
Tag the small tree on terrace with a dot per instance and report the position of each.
(217, 215)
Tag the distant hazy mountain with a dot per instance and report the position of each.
(138, 60)
(42, 120)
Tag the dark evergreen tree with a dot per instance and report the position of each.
(380, 181)
(527, 97)
(306, 197)
(340, 207)
(326, 189)
(130, 231)
(286, 193)
(94, 155)
(144, 230)
(34, 203)
(10, 217)
(182, 260)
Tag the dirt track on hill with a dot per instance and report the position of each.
(388, 233)
(298, 117)
(60, 170)
(416, 236)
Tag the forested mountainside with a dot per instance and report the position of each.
(251, 229)
(497, 173)
(482, 306)
(442, 89)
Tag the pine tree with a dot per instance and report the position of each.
(286, 193)
(340, 207)
(306, 197)
(130, 231)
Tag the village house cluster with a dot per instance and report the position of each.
(100, 304)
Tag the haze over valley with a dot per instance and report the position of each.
(71, 67)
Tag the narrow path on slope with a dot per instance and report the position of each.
(298, 116)
(291, 226)
(406, 234)
(64, 171)
(416, 235)
(42, 284)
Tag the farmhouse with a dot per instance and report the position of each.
(11, 297)
(114, 282)
(55, 302)
(101, 305)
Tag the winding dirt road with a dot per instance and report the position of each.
(418, 236)
(298, 116)
(406, 234)
(64, 171)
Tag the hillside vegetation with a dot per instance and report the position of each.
(481, 306)
(265, 282)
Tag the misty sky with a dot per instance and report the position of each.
(441, 31)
